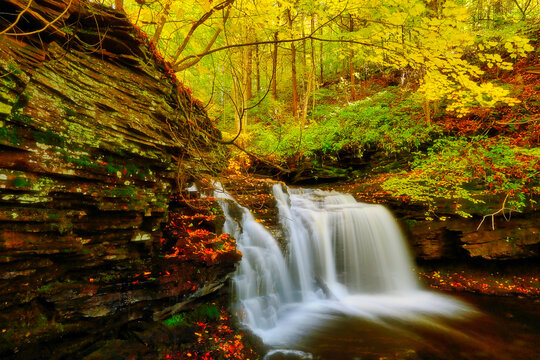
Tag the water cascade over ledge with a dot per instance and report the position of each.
(342, 258)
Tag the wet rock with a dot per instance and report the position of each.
(457, 238)
(284, 354)
(118, 350)
(519, 242)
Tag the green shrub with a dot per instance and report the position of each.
(469, 170)
(388, 121)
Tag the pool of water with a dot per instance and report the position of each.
(504, 328)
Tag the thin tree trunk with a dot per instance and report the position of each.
(257, 69)
(313, 61)
(162, 21)
(183, 64)
(293, 69)
(304, 54)
(246, 83)
(274, 67)
(427, 111)
(312, 45)
(304, 109)
(321, 59)
(294, 82)
(248, 62)
(351, 62)
(236, 101)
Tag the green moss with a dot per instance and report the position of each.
(124, 191)
(80, 134)
(109, 277)
(49, 138)
(69, 112)
(4, 108)
(110, 168)
(49, 286)
(64, 226)
(204, 312)
(131, 169)
(411, 222)
(10, 135)
(17, 333)
(176, 320)
(53, 216)
(20, 182)
(81, 161)
(61, 151)
(14, 69)
(16, 110)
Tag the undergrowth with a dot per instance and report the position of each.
(390, 121)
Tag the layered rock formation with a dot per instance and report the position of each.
(447, 236)
(496, 239)
(95, 136)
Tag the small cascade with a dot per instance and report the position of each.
(342, 257)
(262, 281)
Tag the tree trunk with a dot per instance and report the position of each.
(321, 59)
(246, 83)
(274, 67)
(248, 62)
(161, 23)
(236, 101)
(293, 75)
(304, 55)
(257, 69)
(293, 69)
(312, 45)
(313, 73)
(427, 111)
(351, 62)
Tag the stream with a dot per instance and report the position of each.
(343, 288)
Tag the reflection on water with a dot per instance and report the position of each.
(506, 329)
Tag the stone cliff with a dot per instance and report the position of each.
(96, 134)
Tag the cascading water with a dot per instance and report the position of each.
(343, 257)
(343, 243)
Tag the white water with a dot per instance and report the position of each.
(343, 257)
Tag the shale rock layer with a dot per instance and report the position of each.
(95, 133)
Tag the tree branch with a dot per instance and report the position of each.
(17, 19)
(198, 23)
(181, 65)
(501, 210)
(232, 46)
(207, 50)
(47, 23)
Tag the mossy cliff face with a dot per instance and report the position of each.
(91, 128)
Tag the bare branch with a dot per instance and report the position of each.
(501, 210)
(48, 23)
(18, 18)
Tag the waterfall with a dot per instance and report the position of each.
(342, 256)
(345, 243)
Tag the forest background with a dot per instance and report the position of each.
(434, 102)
